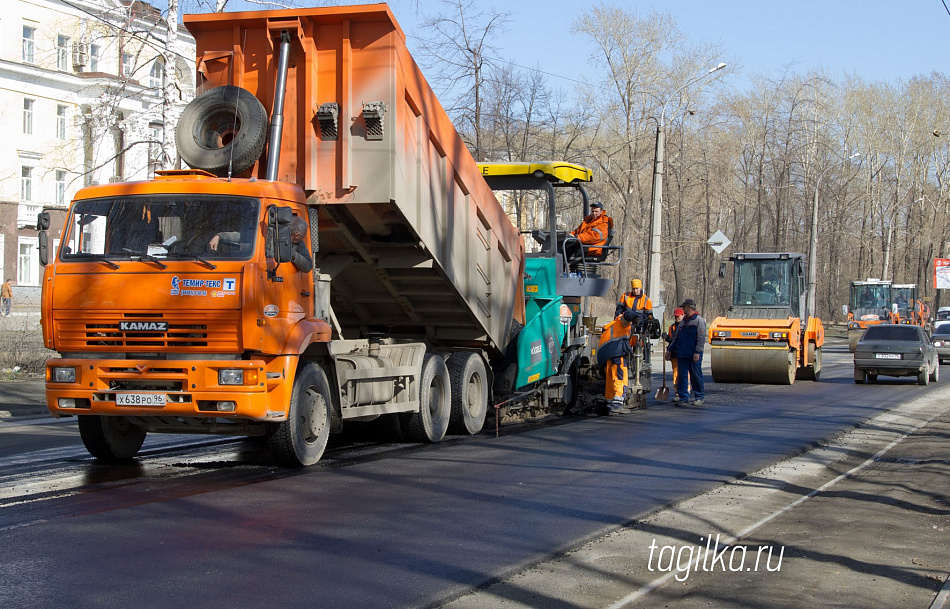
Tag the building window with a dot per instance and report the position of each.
(62, 52)
(60, 187)
(26, 183)
(28, 33)
(61, 122)
(93, 57)
(28, 116)
(126, 64)
(27, 261)
(156, 76)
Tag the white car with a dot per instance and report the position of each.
(943, 317)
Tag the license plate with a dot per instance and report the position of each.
(140, 399)
(887, 355)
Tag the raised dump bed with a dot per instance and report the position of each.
(413, 239)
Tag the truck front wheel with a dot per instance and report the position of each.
(435, 403)
(302, 438)
(110, 439)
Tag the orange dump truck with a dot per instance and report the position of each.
(335, 257)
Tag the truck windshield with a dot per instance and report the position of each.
(870, 296)
(162, 226)
(765, 283)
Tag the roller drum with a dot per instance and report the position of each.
(748, 365)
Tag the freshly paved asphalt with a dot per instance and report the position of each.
(427, 526)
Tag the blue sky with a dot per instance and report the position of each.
(878, 40)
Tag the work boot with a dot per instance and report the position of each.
(676, 400)
(698, 402)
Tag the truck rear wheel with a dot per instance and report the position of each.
(224, 126)
(435, 403)
(469, 392)
(110, 439)
(302, 438)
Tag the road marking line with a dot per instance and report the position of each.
(660, 581)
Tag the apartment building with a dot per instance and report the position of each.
(81, 103)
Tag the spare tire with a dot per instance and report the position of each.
(221, 127)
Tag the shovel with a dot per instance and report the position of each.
(663, 393)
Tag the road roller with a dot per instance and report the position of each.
(766, 336)
(868, 306)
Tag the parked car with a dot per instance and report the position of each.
(896, 350)
(942, 318)
(941, 340)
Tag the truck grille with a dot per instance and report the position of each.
(91, 331)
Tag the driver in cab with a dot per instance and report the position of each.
(593, 231)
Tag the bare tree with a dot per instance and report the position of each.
(460, 50)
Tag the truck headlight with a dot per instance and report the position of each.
(231, 376)
(63, 374)
(778, 335)
(722, 334)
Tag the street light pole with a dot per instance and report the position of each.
(813, 247)
(656, 204)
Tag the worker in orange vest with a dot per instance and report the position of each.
(634, 300)
(613, 353)
(592, 231)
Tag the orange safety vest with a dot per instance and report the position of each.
(629, 301)
(593, 232)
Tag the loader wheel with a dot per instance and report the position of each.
(110, 439)
(469, 392)
(302, 438)
(435, 403)
(221, 127)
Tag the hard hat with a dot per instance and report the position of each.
(636, 283)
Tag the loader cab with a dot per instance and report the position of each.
(774, 283)
(904, 298)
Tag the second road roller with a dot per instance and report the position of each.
(767, 336)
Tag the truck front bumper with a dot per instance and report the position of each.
(164, 388)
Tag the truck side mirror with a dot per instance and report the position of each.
(42, 225)
(844, 310)
(279, 246)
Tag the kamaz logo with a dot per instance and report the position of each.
(143, 326)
